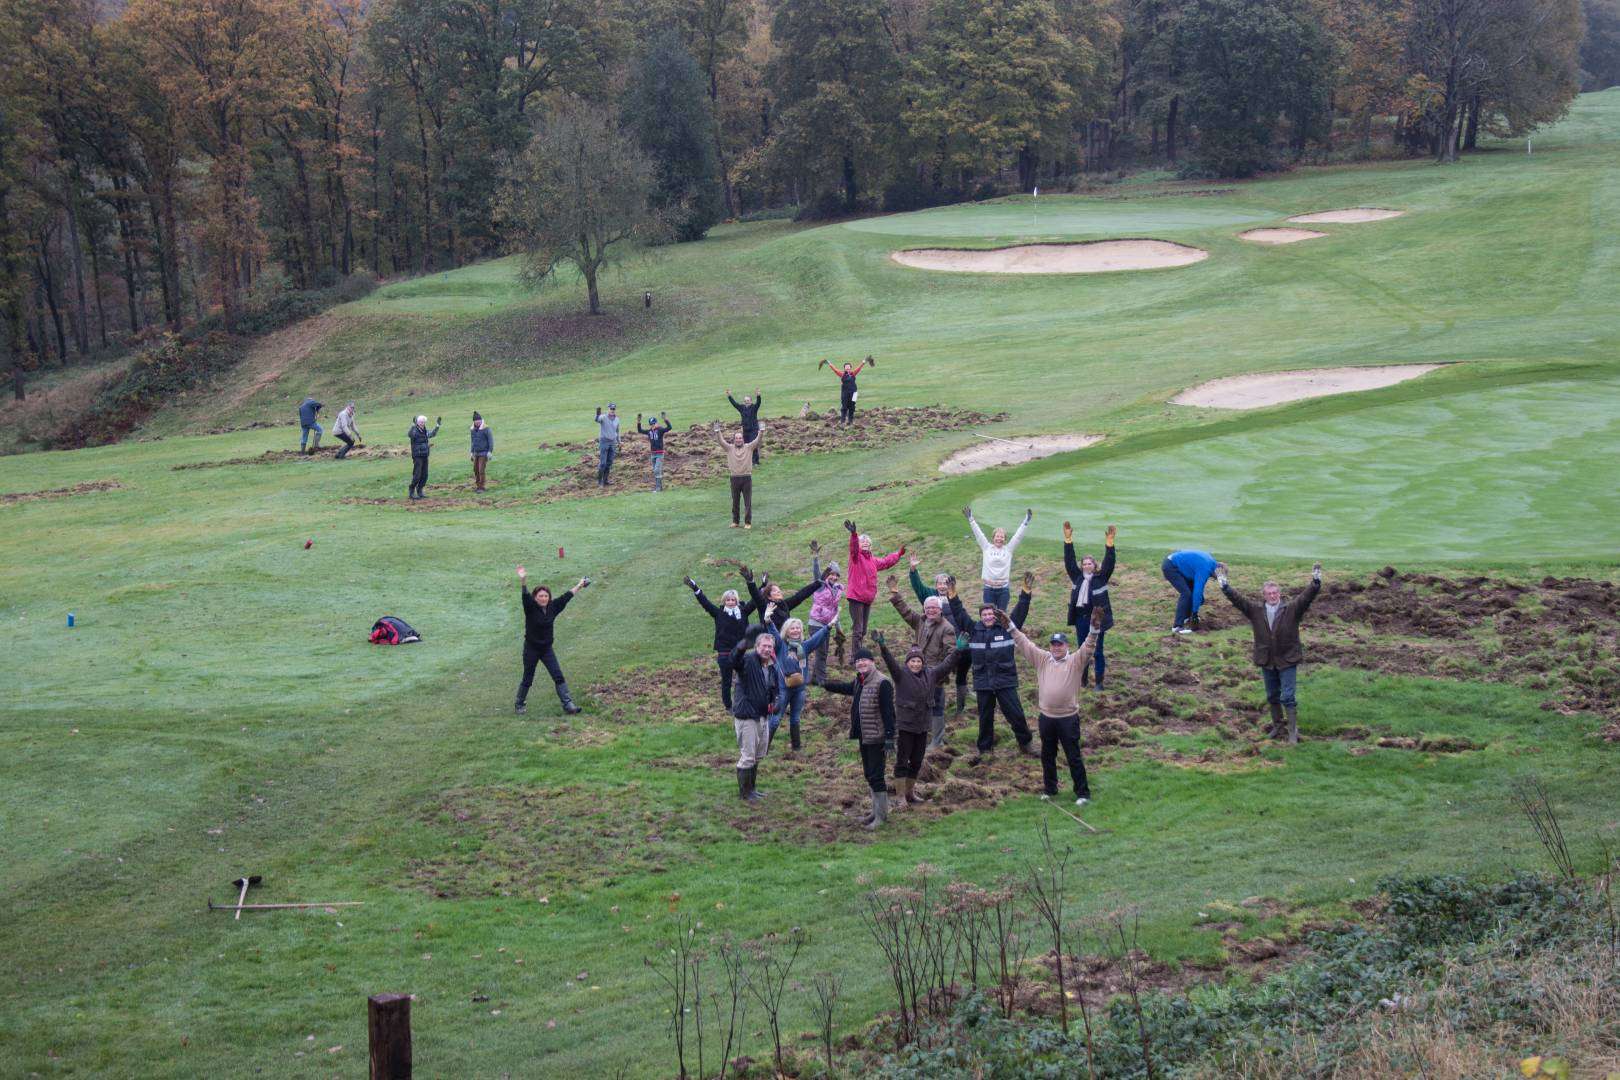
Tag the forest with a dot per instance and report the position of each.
(165, 164)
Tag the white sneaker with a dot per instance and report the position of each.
(1045, 797)
(1081, 801)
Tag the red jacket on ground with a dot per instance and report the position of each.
(863, 571)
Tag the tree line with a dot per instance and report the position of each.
(162, 160)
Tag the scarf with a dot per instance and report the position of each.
(1084, 596)
(1271, 614)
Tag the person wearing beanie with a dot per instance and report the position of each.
(483, 447)
(935, 634)
(824, 605)
(421, 445)
(871, 724)
(916, 690)
(655, 445)
(1057, 695)
(540, 612)
(1277, 652)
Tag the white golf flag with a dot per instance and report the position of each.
(1037, 191)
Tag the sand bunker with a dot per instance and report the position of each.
(1276, 387)
(1097, 257)
(1355, 215)
(1280, 236)
(1012, 451)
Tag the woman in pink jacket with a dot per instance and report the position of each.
(864, 568)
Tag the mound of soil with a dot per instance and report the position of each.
(1280, 236)
(693, 455)
(89, 487)
(1014, 450)
(1094, 257)
(1355, 215)
(1276, 387)
(294, 457)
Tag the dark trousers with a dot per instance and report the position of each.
(531, 657)
(1099, 663)
(750, 436)
(419, 473)
(742, 488)
(908, 756)
(348, 444)
(858, 614)
(846, 411)
(480, 464)
(872, 766)
(1062, 731)
(1184, 592)
(727, 669)
(1011, 708)
(605, 452)
(964, 664)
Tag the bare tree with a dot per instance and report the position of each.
(577, 196)
(679, 968)
(773, 956)
(828, 987)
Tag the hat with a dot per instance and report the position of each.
(862, 653)
(612, 406)
(913, 652)
(476, 416)
(830, 568)
(1059, 639)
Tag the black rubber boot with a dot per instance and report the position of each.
(567, 699)
(742, 783)
(793, 737)
(961, 700)
(1278, 728)
(519, 707)
(753, 780)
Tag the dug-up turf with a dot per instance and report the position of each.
(89, 487)
(295, 457)
(693, 455)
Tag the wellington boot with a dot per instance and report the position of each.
(1279, 727)
(880, 809)
(1293, 725)
(742, 783)
(793, 736)
(936, 737)
(754, 794)
(567, 699)
(961, 701)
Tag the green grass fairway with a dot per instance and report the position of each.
(217, 712)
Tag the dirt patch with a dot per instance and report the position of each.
(1014, 450)
(89, 487)
(1441, 744)
(1354, 215)
(1276, 387)
(270, 356)
(1280, 236)
(1095, 257)
(294, 457)
(692, 455)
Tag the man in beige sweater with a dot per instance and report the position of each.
(740, 460)
(1057, 695)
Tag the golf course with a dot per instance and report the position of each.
(211, 707)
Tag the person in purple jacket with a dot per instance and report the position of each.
(824, 605)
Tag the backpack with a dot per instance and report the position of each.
(389, 630)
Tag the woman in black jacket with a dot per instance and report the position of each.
(540, 611)
(1089, 589)
(730, 623)
(768, 592)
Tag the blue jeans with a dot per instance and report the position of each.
(1099, 663)
(1184, 592)
(658, 472)
(1000, 597)
(303, 436)
(604, 463)
(1280, 684)
(796, 698)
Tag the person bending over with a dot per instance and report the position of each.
(540, 612)
(1187, 571)
(1089, 592)
(871, 724)
(307, 425)
(996, 565)
(1058, 673)
(1277, 651)
(345, 431)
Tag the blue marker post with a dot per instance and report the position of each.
(70, 618)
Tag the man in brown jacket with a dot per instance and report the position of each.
(740, 460)
(935, 636)
(1276, 644)
(1057, 696)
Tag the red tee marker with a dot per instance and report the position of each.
(308, 544)
(559, 553)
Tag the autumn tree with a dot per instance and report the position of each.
(578, 196)
(666, 107)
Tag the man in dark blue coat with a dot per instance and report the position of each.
(306, 422)
(421, 445)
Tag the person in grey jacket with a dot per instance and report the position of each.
(607, 442)
(483, 446)
(421, 444)
(306, 423)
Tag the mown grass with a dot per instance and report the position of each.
(216, 711)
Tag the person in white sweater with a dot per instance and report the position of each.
(346, 431)
(998, 554)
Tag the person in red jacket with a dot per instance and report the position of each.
(863, 580)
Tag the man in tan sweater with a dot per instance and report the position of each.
(740, 460)
(1057, 695)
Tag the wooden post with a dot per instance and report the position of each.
(390, 1036)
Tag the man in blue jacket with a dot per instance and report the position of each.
(760, 692)
(1187, 571)
(306, 421)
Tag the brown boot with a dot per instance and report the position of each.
(913, 796)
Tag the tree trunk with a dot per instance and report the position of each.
(81, 307)
(376, 197)
(1170, 128)
(42, 265)
(95, 285)
(851, 191)
(125, 231)
(1471, 135)
(1028, 162)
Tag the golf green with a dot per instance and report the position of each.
(1508, 474)
(1018, 217)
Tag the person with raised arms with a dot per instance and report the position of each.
(848, 391)
(1277, 650)
(1089, 591)
(655, 433)
(997, 556)
(540, 612)
(730, 623)
(863, 581)
(748, 409)
(995, 667)
(1057, 695)
(916, 709)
